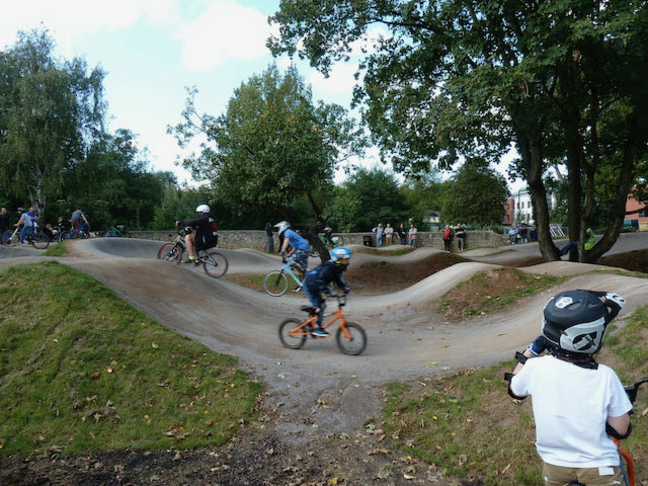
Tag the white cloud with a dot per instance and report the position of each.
(340, 79)
(225, 31)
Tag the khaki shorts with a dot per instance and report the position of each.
(594, 476)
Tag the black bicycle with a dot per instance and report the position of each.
(214, 263)
(37, 239)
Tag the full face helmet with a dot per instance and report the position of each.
(203, 209)
(341, 256)
(575, 321)
(282, 226)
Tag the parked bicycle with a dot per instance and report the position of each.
(37, 239)
(276, 283)
(350, 337)
(214, 263)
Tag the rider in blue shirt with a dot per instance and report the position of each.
(300, 247)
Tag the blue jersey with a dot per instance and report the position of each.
(296, 241)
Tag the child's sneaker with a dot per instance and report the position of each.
(320, 332)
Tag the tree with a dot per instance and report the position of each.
(476, 195)
(272, 145)
(50, 112)
(563, 81)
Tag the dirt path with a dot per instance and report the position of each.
(317, 392)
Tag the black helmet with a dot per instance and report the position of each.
(575, 320)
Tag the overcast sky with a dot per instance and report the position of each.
(152, 49)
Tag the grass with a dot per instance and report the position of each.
(467, 425)
(82, 370)
(255, 282)
(386, 253)
(56, 250)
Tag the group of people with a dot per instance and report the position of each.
(522, 234)
(405, 237)
(28, 221)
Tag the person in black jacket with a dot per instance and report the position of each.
(317, 282)
(5, 222)
(205, 235)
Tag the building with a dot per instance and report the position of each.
(522, 209)
(637, 212)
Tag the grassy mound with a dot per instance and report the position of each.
(82, 370)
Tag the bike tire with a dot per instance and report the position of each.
(64, 235)
(7, 239)
(170, 253)
(292, 342)
(276, 283)
(357, 342)
(40, 241)
(215, 264)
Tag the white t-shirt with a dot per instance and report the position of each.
(571, 405)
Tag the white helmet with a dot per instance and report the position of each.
(203, 208)
(282, 226)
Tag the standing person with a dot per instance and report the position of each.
(34, 217)
(300, 247)
(270, 238)
(317, 282)
(513, 235)
(402, 234)
(379, 234)
(578, 404)
(5, 221)
(75, 219)
(460, 233)
(524, 234)
(389, 233)
(27, 225)
(534, 233)
(412, 235)
(205, 236)
(447, 238)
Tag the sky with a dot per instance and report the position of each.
(152, 50)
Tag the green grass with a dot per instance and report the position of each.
(466, 424)
(82, 370)
(386, 253)
(56, 250)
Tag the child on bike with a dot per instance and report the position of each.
(300, 247)
(317, 282)
(577, 403)
(206, 235)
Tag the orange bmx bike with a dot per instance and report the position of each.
(350, 337)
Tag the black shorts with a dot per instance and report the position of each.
(206, 245)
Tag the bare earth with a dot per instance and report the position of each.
(317, 402)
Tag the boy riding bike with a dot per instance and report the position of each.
(317, 281)
(577, 403)
(206, 235)
(299, 245)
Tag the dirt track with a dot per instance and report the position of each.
(403, 341)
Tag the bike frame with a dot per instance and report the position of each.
(338, 315)
(288, 269)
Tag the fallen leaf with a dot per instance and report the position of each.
(155, 346)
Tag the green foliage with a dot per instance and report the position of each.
(82, 370)
(272, 145)
(366, 198)
(476, 196)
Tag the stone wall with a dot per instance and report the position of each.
(257, 238)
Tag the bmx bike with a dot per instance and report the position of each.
(214, 263)
(276, 283)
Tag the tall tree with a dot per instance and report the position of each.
(564, 81)
(272, 145)
(50, 112)
(476, 195)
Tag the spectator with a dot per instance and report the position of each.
(270, 238)
(460, 233)
(513, 235)
(5, 221)
(534, 233)
(379, 234)
(412, 235)
(402, 234)
(524, 234)
(447, 238)
(389, 234)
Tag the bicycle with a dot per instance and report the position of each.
(118, 231)
(276, 282)
(627, 469)
(83, 233)
(214, 263)
(350, 337)
(37, 239)
(329, 241)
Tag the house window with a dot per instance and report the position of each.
(528, 204)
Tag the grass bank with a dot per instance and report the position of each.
(82, 370)
(467, 425)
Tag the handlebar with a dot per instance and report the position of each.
(633, 389)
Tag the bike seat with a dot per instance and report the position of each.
(307, 308)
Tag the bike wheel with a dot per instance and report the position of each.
(356, 342)
(64, 235)
(170, 252)
(215, 264)
(289, 339)
(9, 239)
(276, 283)
(40, 241)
